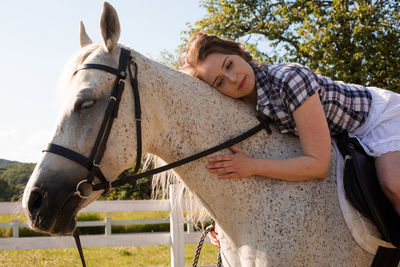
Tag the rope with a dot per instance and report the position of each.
(200, 245)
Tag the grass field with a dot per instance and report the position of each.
(113, 256)
(116, 256)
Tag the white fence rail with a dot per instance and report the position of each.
(176, 238)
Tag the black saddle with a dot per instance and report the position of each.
(365, 194)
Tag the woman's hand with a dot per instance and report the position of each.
(236, 165)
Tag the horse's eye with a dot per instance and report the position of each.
(84, 104)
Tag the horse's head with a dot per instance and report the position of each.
(50, 199)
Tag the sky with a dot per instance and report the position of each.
(38, 37)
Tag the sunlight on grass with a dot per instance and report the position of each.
(114, 215)
(97, 216)
(9, 217)
(116, 256)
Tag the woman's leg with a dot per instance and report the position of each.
(388, 171)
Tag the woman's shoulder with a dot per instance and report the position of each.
(281, 72)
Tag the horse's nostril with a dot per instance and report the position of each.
(35, 202)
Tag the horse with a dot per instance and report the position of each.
(260, 221)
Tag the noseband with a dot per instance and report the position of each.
(92, 163)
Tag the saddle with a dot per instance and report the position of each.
(363, 191)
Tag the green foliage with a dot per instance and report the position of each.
(16, 174)
(353, 41)
(6, 191)
(13, 177)
(169, 59)
(141, 189)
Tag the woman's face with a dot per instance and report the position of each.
(229, 74)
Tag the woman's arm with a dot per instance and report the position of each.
(315, 141)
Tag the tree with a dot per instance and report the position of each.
(16, 173)
(13, 177)
(357, 41)
(6, 191)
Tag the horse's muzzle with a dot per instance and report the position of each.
(49, 201)
(37, 205)
(46, 216)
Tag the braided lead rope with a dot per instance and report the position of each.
(219, 262)
(200, 245)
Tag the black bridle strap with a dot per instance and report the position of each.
(92, 163)
(118, 72)
(132, 178)
(105, 129)
(138, 115)
(79, 246)
(110, 114)
(76, 157)
(69, 154)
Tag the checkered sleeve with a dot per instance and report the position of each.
(299, 84)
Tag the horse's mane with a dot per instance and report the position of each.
(161, 182)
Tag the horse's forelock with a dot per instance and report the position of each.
(70, 68)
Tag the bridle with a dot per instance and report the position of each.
(92, 163)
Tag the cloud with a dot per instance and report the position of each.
(23, 146)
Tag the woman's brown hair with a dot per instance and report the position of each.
(201, 45)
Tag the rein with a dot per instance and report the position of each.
(92, 163)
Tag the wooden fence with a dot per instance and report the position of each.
(176, 238)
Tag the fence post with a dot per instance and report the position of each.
(190, 227)
(107, 228)
(15, 228)
(176, 231)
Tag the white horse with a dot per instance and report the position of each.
(260, 221)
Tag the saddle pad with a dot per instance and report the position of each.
(363, 230)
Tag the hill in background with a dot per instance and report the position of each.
(7, 162)
(13, 177)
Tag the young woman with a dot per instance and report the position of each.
(304, 103)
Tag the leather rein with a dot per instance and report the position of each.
(92, 163)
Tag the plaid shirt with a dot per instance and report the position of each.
(284, 87)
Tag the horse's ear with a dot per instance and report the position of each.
(109, 26)
(85, 39)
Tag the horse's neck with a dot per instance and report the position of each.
(188, 115)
